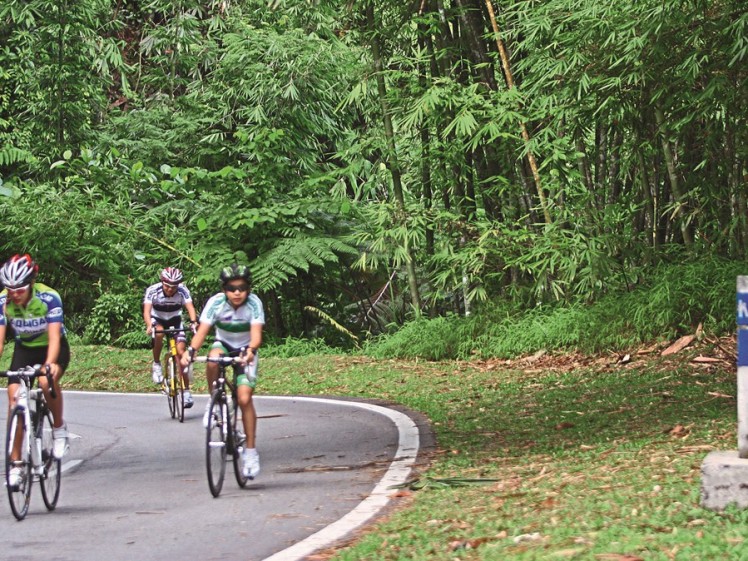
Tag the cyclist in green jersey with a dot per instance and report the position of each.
(237, 316)
(34, 311)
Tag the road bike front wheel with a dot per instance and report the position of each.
(176, 389)
(20, 494)
(238, 441)
(216, 442)
(52, 472)
(169, 386)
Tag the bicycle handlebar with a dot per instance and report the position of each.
(31, 372)
(26, 372)
(168, 330)
(218, 359)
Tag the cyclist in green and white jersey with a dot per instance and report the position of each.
(34, 311)
(238, 318)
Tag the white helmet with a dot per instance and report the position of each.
(18, 271)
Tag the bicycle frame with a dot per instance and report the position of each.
(173, 384)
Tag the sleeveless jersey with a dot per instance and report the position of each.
(233, 324)
(166, 307)
(30, 322)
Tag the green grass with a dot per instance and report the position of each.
(592, 459)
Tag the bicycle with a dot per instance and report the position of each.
(35, 459)
(173, 383)
(223, 435)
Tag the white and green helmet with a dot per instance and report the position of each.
(235, 272)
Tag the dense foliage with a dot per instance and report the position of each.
(373, 161)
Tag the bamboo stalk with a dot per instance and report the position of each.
(525, 133)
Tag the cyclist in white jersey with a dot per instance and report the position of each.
(162, 309)
(238, 318)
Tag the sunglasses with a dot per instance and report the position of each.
(167, 285)
(18, 289)
(236, 288)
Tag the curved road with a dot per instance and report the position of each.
(134, 485)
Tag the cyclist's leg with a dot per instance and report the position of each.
(211, 369)
(158, 339)
(22, 357)
(244, 392)
(211, 375)
(55, 404)
(181, 347)
(246, 383)
(12, 389)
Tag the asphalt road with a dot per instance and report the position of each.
(134, 484)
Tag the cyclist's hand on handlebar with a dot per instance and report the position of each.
(53, 368)
(247, 357)
(187, 357)
(193, 327)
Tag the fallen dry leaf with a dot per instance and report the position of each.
(705, 359)
(679, 345)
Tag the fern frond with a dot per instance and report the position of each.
(293, 255)
(11, 155)
(334, 323)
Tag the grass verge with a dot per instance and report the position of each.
(593, 458)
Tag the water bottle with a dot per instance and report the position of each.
(22, 396)
(36, 452)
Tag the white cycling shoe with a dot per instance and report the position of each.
(61, 441)
(251, 460)
(14, 478)
(157, 372)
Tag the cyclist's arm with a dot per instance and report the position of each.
(54, 333)
(147, 307)
(191, 311)
(3, 327)
(255, 340)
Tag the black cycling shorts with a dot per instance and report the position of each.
(31, 356)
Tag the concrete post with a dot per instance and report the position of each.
(724, 475)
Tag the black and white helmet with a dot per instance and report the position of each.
(171, 275)
(19, 271)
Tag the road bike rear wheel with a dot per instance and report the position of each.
(216, 442)
(237, 442)
(50, 477)
(19, 495)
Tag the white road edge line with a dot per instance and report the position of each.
(405, 457)
(67, 466)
